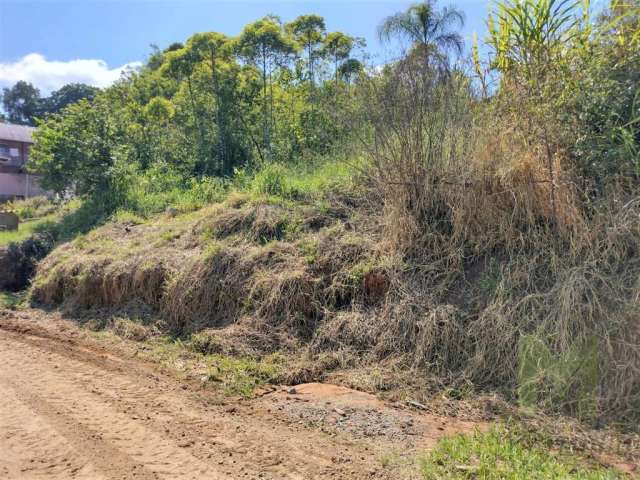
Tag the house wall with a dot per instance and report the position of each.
(20, 159)
(24, 185)
(13, 181)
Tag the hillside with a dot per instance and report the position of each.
(446, 235)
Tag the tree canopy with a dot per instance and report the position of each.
(23, 103)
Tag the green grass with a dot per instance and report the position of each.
(294, 182)
(32, 208)
(153, 193)
(26, 229)
(232, 375)
(503, 454)
(11, 301)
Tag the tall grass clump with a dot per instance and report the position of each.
(309, 182)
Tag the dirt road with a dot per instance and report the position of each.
(69, 409)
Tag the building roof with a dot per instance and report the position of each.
(16, 133)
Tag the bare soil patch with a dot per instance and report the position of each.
(75, 410)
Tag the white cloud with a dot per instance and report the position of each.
(49, 75)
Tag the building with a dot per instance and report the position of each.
(15, 181)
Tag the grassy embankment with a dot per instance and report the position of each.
(283, 277)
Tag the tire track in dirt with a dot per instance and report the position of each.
(84, 420)
(32, 447)
(95, 421)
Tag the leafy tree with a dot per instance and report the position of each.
(180, 65)
(337, 46)
(68, 94)
(215, 51)
(308, 30)
(79, 147)
(350, 70)
(21, 103)
(264, 44)
(152, 136)
(431, 32)
(157, 56)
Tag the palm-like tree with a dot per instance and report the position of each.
(430, 30)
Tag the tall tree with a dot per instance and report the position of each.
(180, 64)
(337, 46)
(432, 32)
(215, 50)
(350, 70)
(68, 94)
(309, 31)
(264, 44)
(21, 103)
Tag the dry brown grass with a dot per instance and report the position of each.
(502, 244)
(443, 281)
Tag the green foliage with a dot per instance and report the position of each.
(337, 46)
(601, 96)
(529, 32)
(65, 96)
(308, 31)
(11, 301)
(241, 376)
(127, 217)
(158, 188)
(204, 108)
(432, 32)
(21, 103)
(295, 182)
(271, 180)
(159, 110)
(575, 76)
(501, 454)
(79, 147)
(34, 207)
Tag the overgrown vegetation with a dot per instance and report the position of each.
(480, 228)
(503, 453)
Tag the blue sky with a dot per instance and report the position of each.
(107, 34)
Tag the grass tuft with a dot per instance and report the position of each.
(500, 454)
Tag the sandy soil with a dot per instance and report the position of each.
(71, 410)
